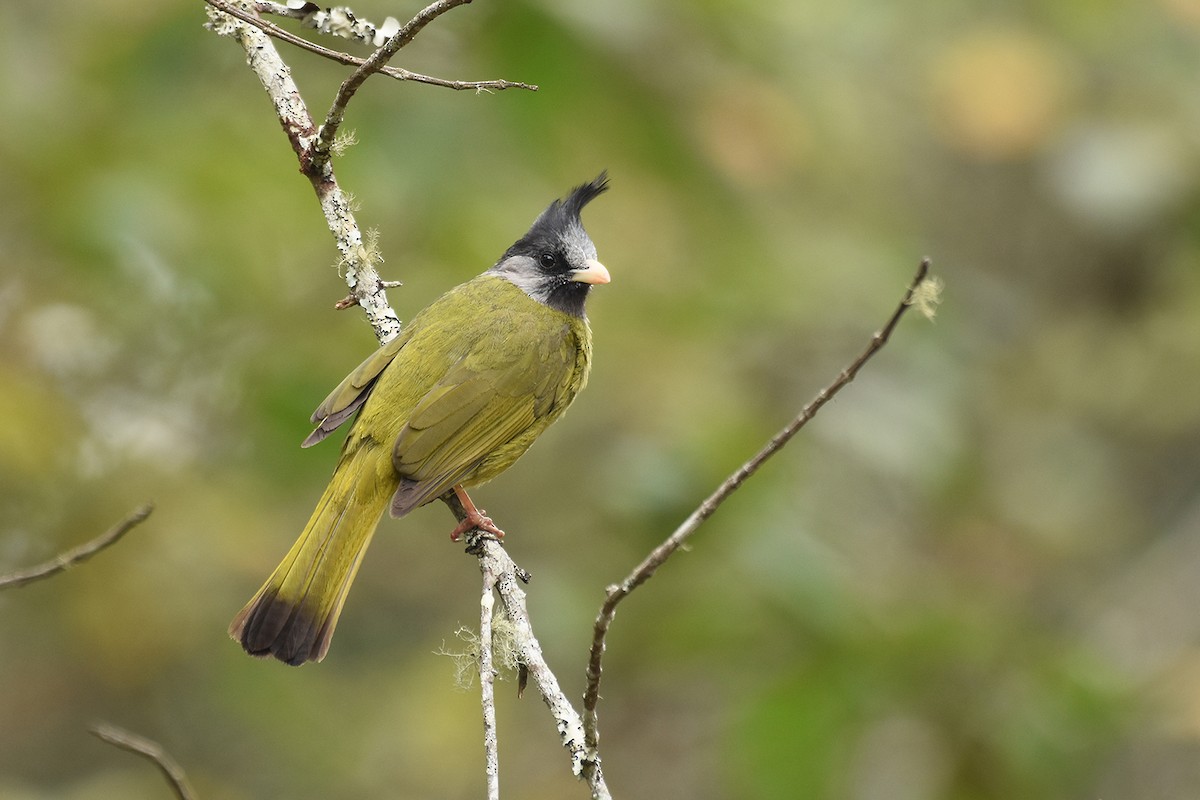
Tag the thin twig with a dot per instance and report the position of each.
(147, 749)
(375, 63)
(400, 74)
(76, 555)
(642, 572)
(487, 683)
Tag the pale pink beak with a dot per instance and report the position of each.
(593, 273)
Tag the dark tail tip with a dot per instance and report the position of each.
(270, 626)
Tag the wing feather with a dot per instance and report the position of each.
(353, 391)
(484, 404)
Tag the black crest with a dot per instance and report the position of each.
(559, 217)
(581, 195)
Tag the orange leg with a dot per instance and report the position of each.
(475, 518)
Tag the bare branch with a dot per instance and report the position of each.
(271, 29)
(76, 555)
(643, 571)
(147, 749)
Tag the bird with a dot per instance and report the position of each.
(448, 404)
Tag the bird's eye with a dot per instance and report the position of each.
(547, 260)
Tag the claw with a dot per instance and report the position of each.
(478, 520)
(474, 519)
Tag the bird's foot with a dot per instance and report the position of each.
(476, 519)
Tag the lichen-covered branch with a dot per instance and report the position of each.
(76, 555)
(494, 561)
(335, 21)
(921, 292)
(487, 683)
(313, 145)
(357, 261)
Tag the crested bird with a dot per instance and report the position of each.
(448, 404)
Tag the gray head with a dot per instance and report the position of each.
(555, 261)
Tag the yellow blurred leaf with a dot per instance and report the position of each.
(998, 94)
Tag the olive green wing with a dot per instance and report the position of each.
(352, 392)
(488, 407)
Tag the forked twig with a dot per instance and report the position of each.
(643, 571)
(503, 575)
(494, 561)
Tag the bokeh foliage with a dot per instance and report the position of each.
(977, 573)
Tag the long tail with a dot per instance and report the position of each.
(293, 615)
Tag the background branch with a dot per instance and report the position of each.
(147, 749)
(643, 571)
(76, 555)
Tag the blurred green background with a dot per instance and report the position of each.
(975, 575)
